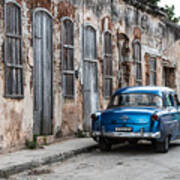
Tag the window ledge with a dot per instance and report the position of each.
(14, 96)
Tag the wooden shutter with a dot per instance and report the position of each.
(13, 51)
(43, 71)
(90, 71)
(137, 60)
(108, 69)
(152, 71)
(68, 57)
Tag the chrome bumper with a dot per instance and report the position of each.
(127, 135)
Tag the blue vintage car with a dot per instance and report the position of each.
(135, 113)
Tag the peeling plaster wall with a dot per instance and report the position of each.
(157, 37)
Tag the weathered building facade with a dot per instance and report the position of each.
(62, 59)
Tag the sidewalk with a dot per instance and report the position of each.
(16, 162)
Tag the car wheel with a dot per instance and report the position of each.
(153, 143)
(162, 147)
(104, 145)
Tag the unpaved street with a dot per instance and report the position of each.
(125, 162)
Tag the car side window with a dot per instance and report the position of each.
(172, 100)
(169, 101)
(176, 101)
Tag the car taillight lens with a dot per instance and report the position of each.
(94, 117)
(154, 117)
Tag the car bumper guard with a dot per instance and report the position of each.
(144, 135)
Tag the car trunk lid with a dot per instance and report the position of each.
(128, 116)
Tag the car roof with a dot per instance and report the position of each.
(157, 90)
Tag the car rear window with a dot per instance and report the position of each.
(136, 99)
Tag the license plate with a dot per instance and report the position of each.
(123, 129)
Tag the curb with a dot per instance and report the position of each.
(6, 172)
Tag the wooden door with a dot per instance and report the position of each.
(43, 88)
(90, 90)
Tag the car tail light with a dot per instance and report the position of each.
(94, 117)
(155, 117)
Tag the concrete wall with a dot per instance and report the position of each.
(157, 37)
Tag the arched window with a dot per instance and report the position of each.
(123, 68)
(123, 45)
(137, 61)
(13, 51)
(89, 43)
(108, 66)
(68, 57)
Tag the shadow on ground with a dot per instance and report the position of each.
(142, 148)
